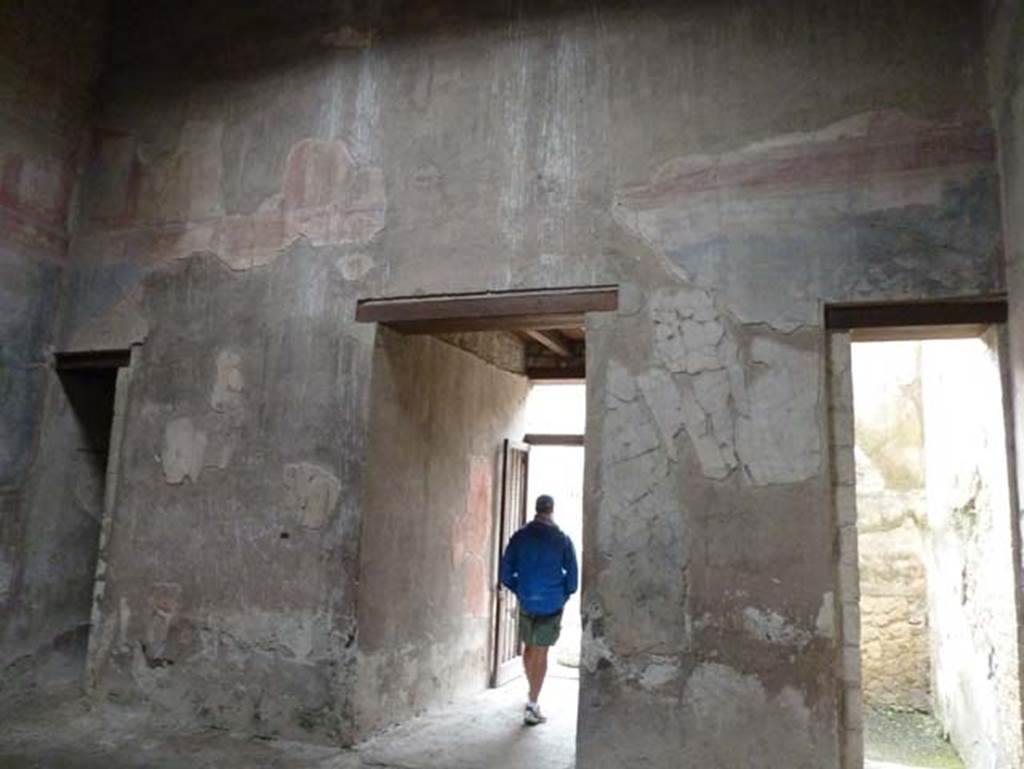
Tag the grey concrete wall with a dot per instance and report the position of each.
(971, 575)
(49, 61)
(729, 165)
(426, 578)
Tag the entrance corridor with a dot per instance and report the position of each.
(482, 732)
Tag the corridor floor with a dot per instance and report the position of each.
(482, 732)
(485, 732)
(905, 740)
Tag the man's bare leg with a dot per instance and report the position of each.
(528, 666)
(535, 661)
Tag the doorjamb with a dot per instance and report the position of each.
(517, 310)
(124, 362)
(888, 321)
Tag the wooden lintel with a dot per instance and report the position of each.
(538, 309)
(495, 323)
(554, 439)
(551, 340)
(102, 359)
(941, 312)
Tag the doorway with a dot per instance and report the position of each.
(85, 437)
(450, 476)
(556, 420)
(512, 515)
(928, 551)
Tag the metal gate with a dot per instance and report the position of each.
(515, 468)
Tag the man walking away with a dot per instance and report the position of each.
(539, 566)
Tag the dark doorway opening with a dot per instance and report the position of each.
(86, 428)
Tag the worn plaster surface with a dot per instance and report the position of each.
(258, 167)
(1005, 60)
(44, 110)
(970, 557)
(930, 423)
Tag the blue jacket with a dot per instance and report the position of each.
(539, 566)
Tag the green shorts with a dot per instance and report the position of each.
(539, 630)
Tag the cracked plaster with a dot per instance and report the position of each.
(743, 397)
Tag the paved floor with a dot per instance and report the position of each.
(482, 732)
(486, 732)
(905, 740)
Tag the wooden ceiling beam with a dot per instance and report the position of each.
(551, 339)
(494, 323)
(572, 370)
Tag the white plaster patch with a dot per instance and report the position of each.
(124, 618)
(592, 651)
(228, 383)
(825, 624)
(778, 439)
(164, 602)
(710, 421)
(311, 492)
(6, 577)
(735, 722)
(658, 674)
(356, 266)
(621, 384)
(184, 450)
(666, 405)
(292, 634)
(636, 459)
(772, 627)
(629, 432)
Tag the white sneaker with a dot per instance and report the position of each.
(532, 715)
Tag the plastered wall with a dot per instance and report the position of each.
(49, 60)
(1005, 60)
(427, 560)
(261, 166)
(970, 556)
